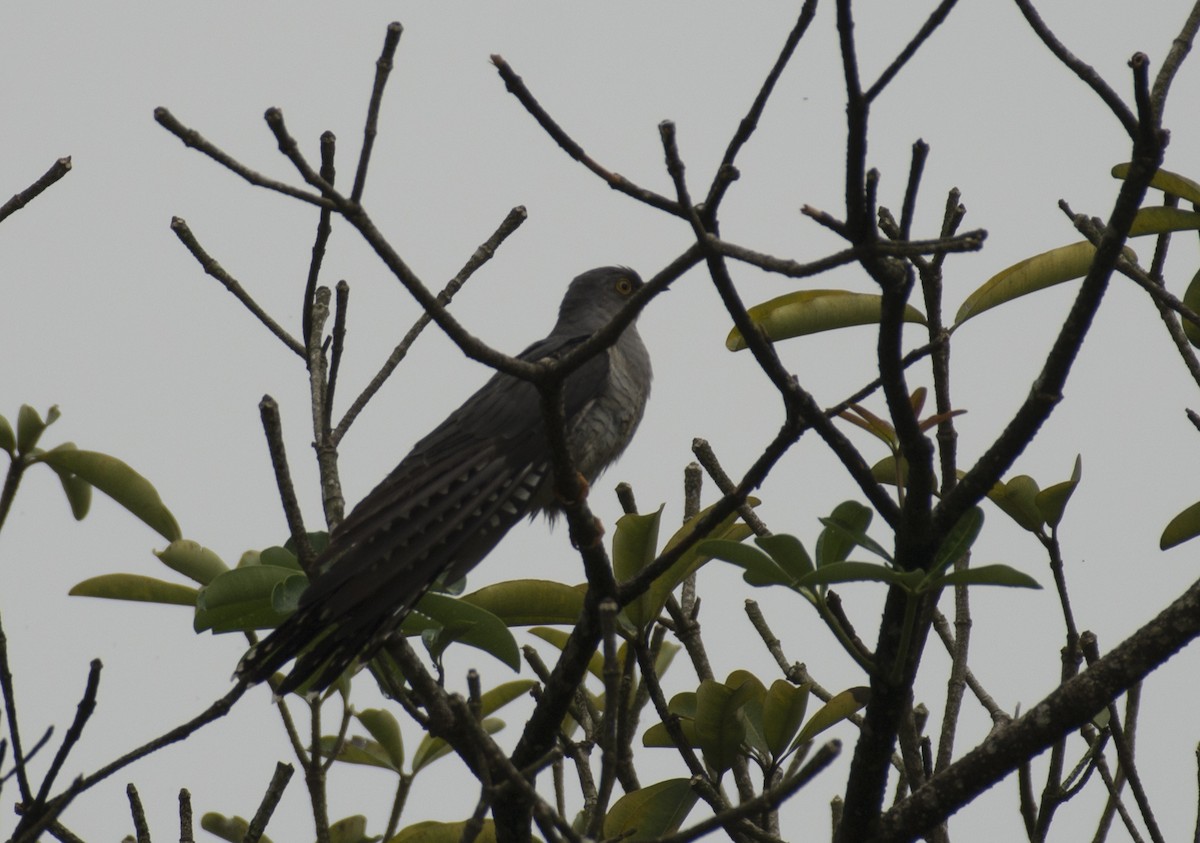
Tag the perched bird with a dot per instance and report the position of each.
(449, 502)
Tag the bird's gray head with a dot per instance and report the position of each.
(596, 296)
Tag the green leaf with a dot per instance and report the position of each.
(1160, 220)
(318, 542)
(529, 602)
(759, 568)
(386, 731)
(431, 831)
(351, 830)
(367, 753)
(232, 829)
(431, 749)
(1051, 502)
(748, 696)
(788, 553)
(244, 599)
(719, 730)
(885, 471)
(835, 542)
(880, 428)
(30, 427)
(683, 706)
(496, 698)
(1183, 527)
(658, 735)
(136, 587)
(1030, 275)
(839, 708)
(856, 537)
(1018, 500)
(959, 540)
(78, 492)
(455, 620)
(8, 439)
(650, 813)
(811, 311)
(1167, 182)
(989, 575)
(280, 557)
(120, 482)
(1191, 298)
(783, 712)
(635, 544)
(193, 561)
(835, 572)
(285, 597)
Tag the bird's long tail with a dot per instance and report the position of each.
(287, 642)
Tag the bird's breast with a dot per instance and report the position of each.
(601, 432)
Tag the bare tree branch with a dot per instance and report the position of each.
(57, 170)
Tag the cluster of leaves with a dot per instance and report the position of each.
(80, 471)
(742, 717)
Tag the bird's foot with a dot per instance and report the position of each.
(579, 494)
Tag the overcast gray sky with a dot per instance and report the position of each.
(105, 314)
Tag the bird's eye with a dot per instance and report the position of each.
(624, 286)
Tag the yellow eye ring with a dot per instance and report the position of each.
(624, 286)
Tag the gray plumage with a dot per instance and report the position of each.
(449, 502)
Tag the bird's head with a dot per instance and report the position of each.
(597, 295)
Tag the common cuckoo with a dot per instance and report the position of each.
(449, 502)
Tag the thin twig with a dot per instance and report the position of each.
(792, 671)
(320, 242)
(693, 480)
(195, 140)
(971, 241)
(999, 716)
(1180, 47)
(482, 255)
(398, 801)
(291, 150)
(211, 267)
(1124, 747)
(139, 814)
(83, 711)
(1168, 305)
(273, 428)
(279, 780)
(516, 86)
(613, 703)
(341, 304)
(186, 833)
(214, 712)
(748, 124)
(10, 713)
(43, 820)
(1084, 71)
(383, 69)
(935, 19)
(708, 459)
(314, 774)
(1120, 809)
(57, 170)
